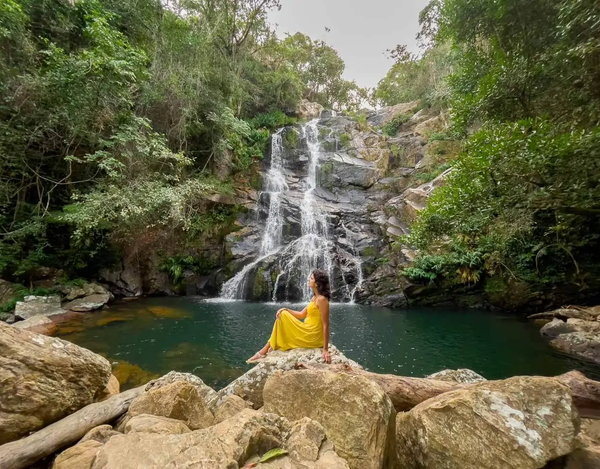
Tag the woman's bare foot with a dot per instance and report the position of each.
(256, 358)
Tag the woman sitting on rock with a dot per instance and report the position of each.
(291, 332)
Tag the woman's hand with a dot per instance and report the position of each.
(326, 356)
(278, 314)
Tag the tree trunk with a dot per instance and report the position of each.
(405, 392)
(26, 451)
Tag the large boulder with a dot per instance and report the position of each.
(555, 328)
(230, 407)
(227, 445)
(308, 110)
(584, 458)
(358, 417)
(101, 434)
(80, 456)
(38, 324)
(38, 306)
(584, 345)
(44, 379)
(152, 424)
(179, 400)
(72, 292)
(88, 303)
(462, 375)
(307, 448)
(518, 423)
(207, 393)
(250, 385)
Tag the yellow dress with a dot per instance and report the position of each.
(290, 332)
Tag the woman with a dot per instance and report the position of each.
(290, 332)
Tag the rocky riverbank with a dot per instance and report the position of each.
(58, 405)
(573, 330)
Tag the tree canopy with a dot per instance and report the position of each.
(121, 115)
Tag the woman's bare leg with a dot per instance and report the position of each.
(262, 352)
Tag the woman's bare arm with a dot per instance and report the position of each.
(297, 314)
(323, 305)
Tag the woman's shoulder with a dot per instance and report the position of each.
(321, 299)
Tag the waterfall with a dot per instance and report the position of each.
(275, 185)
(295, 259)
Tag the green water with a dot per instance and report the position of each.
(213, 340)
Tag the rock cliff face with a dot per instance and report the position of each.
(335, 196)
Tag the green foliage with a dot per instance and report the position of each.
(345, 140)
(455, 266)
(525, 196)
(424, 177)
(116, 114)
(176, 266)
(272, 120)
(272, 454)
(361, 120)
(320, 68)
(518, 61)
(391, 128)
(413, 77)
(20, 292)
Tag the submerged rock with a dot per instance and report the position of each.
(43, 380)
(357, 415)
(250, 385)
(38, 324)
(518, 423)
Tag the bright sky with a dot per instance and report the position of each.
(361, 30)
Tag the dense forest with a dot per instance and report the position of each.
(120, 118)
(521, 83)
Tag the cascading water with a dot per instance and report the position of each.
(313, 247)
(275, 186)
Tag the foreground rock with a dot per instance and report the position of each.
(230, 444)
(179, 400)
(207, 393)
(518, 423)
(43, 380)
(356, 414)
(38, 306)
(250, 385)
(152, 424)
(462, 375)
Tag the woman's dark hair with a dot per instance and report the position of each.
(322, 282)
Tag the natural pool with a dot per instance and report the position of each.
(150, 337)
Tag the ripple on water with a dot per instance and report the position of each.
(213, 339)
